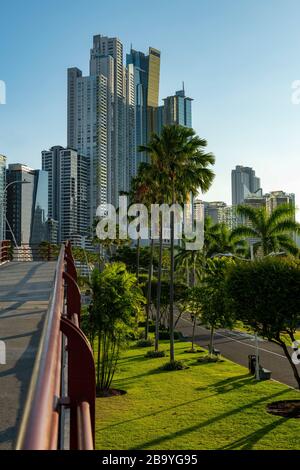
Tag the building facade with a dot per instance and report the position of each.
(146, 79)
(244, 183)
(68, 191)
(177, 109)
(27, 205)
(221, 213)
(2, 195)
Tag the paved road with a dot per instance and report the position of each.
(236, 346)
(25, 289)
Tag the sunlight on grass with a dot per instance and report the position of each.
(207, 406)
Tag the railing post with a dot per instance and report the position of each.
(4, 251)
(81, 384)
(71, 269)
(73, 296)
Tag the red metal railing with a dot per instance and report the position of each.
(4, 251)
(63, 380)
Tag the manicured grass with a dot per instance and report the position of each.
(208, 406)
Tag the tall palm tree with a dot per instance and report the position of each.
(272, 231)
(190, 260)
(144, 189)
(220, 239)
(184, 168)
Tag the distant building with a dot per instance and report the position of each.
(255, 201)
(276, 198)
(269, 201)
(146, 76)
(244, 183)
(220, 212)
(68, 191)
(2, 195)
(177, 109)
(27, 205)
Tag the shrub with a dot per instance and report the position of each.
(154, 354)
(174, 365)
(166, 335)
(144, 343)
(209, 358)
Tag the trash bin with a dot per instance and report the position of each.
(252, 363)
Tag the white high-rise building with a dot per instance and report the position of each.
(101, 120)
(88, 130)
(68, 175)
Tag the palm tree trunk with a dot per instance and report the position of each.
(157, 319)
(171, 310)
(211, 343)
(187, 272)
(98, 360)
(138, 258)
(193, 334)
(149, 289)
(194, 269)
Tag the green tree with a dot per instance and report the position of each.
(210, 297)
(183, 168)
(115, 310)
(265, 295)
(145, 190)
(189, 260)
(218, 238)
(271, 230)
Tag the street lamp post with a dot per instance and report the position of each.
(4, 219)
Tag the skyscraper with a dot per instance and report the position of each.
(146, 75)
(221, 213)
(68, 191)
(243, 184)
(106, 60)
(2, 194)
(27, 205)
(110, 113)
(89, 131)
(177, 109)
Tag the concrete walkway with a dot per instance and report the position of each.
(25, 289)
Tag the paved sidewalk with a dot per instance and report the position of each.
(25, 289)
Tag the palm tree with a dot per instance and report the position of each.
(183, 168)
(190, 261)
(144, 190)
(218, 238)
(272, 232)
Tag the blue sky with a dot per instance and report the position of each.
(238, 59)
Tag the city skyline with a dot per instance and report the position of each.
(226, 97)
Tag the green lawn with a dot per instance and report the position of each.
(208, 406)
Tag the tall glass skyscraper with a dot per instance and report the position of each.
(177, 109)
(146, 71)
(2, 195)
(27, 205)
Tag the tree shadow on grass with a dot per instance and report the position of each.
(196, 427)
(164, 410)
(247, 442)
(232, 383)
(132, 378)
